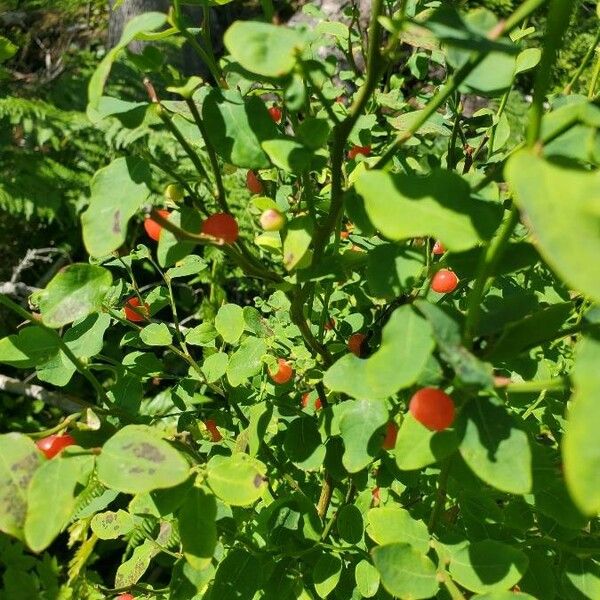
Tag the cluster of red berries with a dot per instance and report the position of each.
(54, 444)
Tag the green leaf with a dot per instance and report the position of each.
(437, 205)
(367, 578)
(156, 334)
(303, 444)
(581, 578)
(30, 347)
(51, 498)
(74, 293)
(350, 524)
(215, 366)
(189, 265)
(110, 525)
(7, 49)
(326, 574)
(197, 527)
(405, 572)
(488, 566)
(298, 237)
(19, 460)
(393, 270)
(229, 322)
(238, 480)
(139, 24)
(418, 447)
(262, 48)
(86, 337)
(540, 188)
(360, 426)
(288, 154)
(581, 453)
(238, 576)
(131, 571)
(468, 368)
(246, 361)
(137, 460)
(530, 331)
(236, 128)
(393, 524)
(171, 250)
(405, 347)
(495, 446)
(201, 335)
(118, 191)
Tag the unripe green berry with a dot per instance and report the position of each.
(272, 220)
(174, 192)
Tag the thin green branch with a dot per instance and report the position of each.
(212, 155)
(487, 265)
(584, 63)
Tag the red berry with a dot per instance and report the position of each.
(53, 444)
(305, 398)
(131, 314)
(391, 433)
(222, 226)
(153, 229)
(284, 372)
(356, 150)
(344, 234)
(330, 325)
(125, 597)
(275, 113)
(272, 220)
(355, 343)
(253, 183)
(444, 281)
(438, 248)
(211, 425)
(432, 408)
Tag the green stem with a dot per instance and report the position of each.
(212, 155)
(452, 588)
(557, 23)
(268, 9)
(458, 77)
(4, 300)
(342, 131)
(594, 80)
(583, 64)
(488, 262)
(528, 387)
(493, 128)
(166, 119)
(208, 60)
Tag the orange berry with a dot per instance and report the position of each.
(284, 372)
(133, 315)
(444, 281)
(215, 434)
(253, 183)
(355, 343)
(275, 113)
(391, 433)
(153, 229)
(54, 444)
(222, 226)
(356, 150)
(438, 248)
(433, 408)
